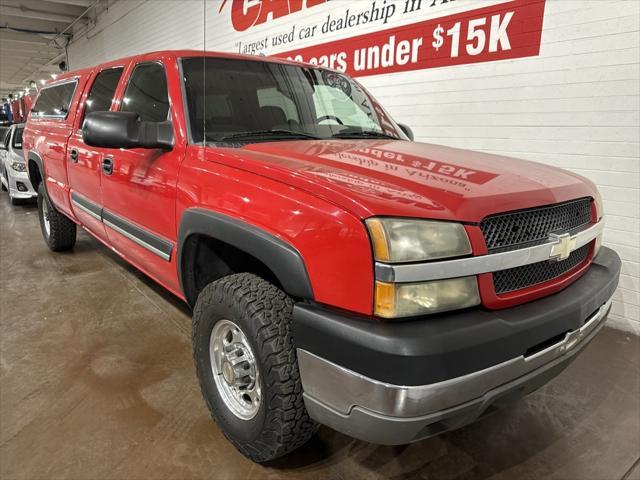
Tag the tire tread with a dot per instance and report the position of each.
(63, 230)
(287, 423)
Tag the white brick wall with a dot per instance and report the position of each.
(129, 27)
(576, 105)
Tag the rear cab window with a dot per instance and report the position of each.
(55, 101)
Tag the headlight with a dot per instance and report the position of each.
(19, 166)
(395, 300)
(398, 240)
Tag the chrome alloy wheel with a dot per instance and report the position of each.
(45, 217)
(235, 370)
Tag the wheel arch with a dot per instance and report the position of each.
(35, 167)
(227, 243)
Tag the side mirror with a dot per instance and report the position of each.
(407, 131)
(125, 130)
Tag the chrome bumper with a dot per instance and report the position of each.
(393, 414)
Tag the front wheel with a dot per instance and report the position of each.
(247, 368)
(59, 232)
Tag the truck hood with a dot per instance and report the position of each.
(409, 179)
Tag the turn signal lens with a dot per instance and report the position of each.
(412, 299)
(379, 240)
(385, 299)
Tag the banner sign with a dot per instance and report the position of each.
(247, 14)
(503, 31)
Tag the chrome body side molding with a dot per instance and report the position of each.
(155, 244)
(86, 206)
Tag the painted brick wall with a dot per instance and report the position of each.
(576, 105)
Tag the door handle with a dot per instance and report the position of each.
(73, 156)
(107, 166)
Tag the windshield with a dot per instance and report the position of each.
(236, 100)
(17, 138)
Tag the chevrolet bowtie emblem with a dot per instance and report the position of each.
(565, 244)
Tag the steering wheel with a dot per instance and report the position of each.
(329, 117)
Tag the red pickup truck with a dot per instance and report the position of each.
(339, 272)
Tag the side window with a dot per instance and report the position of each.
(147, 93)
(102, 91)
(54, 101)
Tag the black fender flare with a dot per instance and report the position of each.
(280, 257)
(34, 157)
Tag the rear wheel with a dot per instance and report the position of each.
(246, 364)
(59, 232)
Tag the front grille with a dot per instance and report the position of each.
(518, 278)
(525, 228)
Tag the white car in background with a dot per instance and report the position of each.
(13, 168)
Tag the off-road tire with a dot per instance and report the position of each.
(264, 314)
(62, 230)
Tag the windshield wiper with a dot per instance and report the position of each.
(363, 134)
(267, 134)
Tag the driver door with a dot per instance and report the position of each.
(139, 185)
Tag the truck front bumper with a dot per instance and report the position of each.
(394, 383)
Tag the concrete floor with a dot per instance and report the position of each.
(97, 383)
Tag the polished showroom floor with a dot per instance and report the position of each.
(97, 383)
